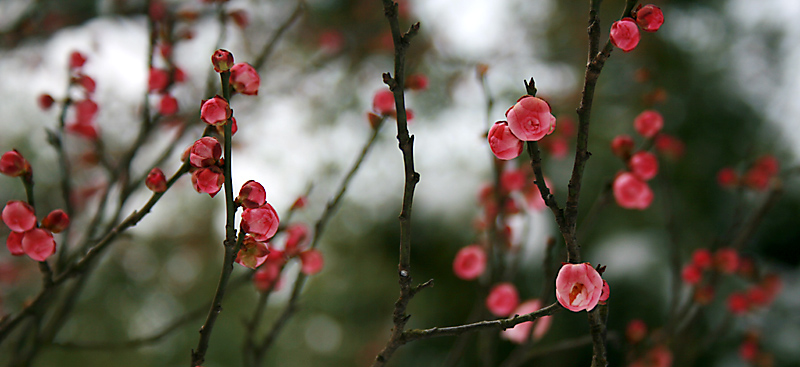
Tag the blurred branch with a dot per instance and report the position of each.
(80, 266)
(523, 355)
(749, 228)
(261, 59)
(319, 228)
(138, 342)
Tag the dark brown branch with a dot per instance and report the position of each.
(501, 324)
(406, 144)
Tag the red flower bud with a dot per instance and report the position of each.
(727, 178)
(648, 123)
(156, 181)
(503, 143)
(260, 222)
(76, 60)
(312, 262)
(208, 180)
(417, 82)
(38, 244)
(644, 165)
(252, 195)
(622, 146)
(632, 193)
(158, 80)
(56, 221)
(625, 34)
(14, 243)
(19, 216)
(215, 111)
(13, 164)
(297, 234)
(205, 152)
(636, 331)
(222, 60)
(245, 79)
(649, 17)
(168, 105)
(46, 101)
(252, 253)
(383, 102)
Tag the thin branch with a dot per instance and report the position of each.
(406, 144)
(80, 266)
(501, 324)
(138, 342)
(273, 41)
(319, 228)
(231, 243)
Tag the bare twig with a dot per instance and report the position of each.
(231, 243)
(406, 143)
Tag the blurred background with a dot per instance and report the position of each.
(719, 71)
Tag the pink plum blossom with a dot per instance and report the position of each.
(503, 299)
(606, 292)
(578, 287)
(625, 34)
(208, 180)
(168, 105)
(222, 60)
(252, 195)
(245, 79)
(622, 146)
(14, 243)
(252, 253)
(649, 17)
(631, 192)
(156, 181)
(38, 244)
(158, 80)
(261, 222)
(13, 164)
(470, 262)
(312, 262)
(215, 111)
(644, 165)
(503, 143)
(530, 119)
(205, 152)
(383, 102)
(648, 123)
(19, 216)
(56, 221)
(296, 235)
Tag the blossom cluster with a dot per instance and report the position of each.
(757, 177)
(625, 32)
(529, 119)
(28, 236)
(630, 187)
(705, 269)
